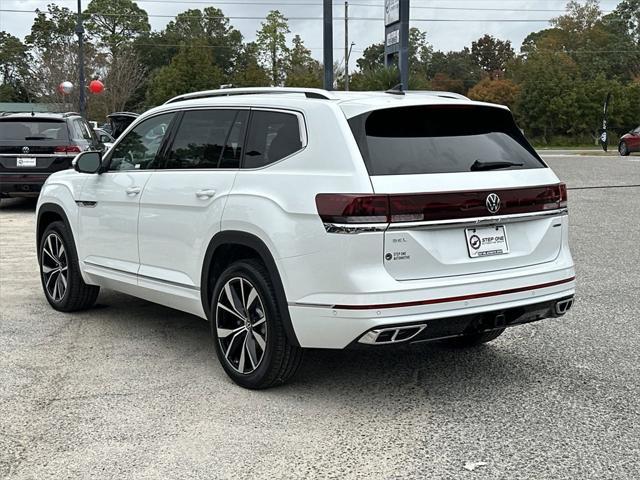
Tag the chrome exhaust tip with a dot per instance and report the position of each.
(563, 306)
(385, 336)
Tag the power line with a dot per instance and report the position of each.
(242, 17)
(352, 4)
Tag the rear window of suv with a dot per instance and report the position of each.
(27, 129)
(441, 139)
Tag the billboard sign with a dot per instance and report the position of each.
(391, 12)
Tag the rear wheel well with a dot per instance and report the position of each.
(223, 256)
(228, 247)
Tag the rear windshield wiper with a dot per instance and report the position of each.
(36, 138)
(480, 165)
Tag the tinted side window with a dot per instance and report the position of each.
(208, 139)
(272, 136)
(139, 147)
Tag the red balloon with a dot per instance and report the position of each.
(96, 86)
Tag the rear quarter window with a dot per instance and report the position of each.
(441, 139)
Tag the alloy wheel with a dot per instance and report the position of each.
(55, 267)
(241, 325)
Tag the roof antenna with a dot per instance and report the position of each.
(397, 90)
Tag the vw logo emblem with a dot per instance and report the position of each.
(25, 149)
(493, 203)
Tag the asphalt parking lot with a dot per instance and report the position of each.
(130, 389)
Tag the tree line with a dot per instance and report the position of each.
(555, 85)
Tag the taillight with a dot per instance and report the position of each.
(67, 149)
(563, 195)
(422, 207)
(339, 208)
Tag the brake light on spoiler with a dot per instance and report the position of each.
(419, 207)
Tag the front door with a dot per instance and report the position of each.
(109, 206)
(182, 203)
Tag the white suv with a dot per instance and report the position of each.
(301, 218)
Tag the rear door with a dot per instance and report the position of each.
(467, 193)
(182, 204)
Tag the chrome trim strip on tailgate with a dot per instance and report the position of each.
(354, 228)
(460, 222)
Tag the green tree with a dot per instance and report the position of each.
(192, 69)
(458, 65)
(628, 12)
(547, 103)
(302, 69)
(115, 23)
(211, 27)
(272, 45)
(248, 71)
(14, 68)
(492, 54)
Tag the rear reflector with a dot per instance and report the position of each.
(420, 207)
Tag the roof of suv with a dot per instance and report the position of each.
(352, 103)
(37, 115)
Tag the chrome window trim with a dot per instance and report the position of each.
(355, 228)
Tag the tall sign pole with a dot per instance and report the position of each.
(327, 43)
(346, 46)
(396, 37)
(81, 86)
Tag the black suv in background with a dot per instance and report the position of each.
(35, 145)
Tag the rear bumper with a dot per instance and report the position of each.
(451, 327)
(454, 308)
(22, 184)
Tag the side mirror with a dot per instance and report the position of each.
(88, 162)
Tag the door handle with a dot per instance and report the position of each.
(205, 193)
(132, 191)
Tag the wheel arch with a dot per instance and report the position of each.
(48, 213)
(234, 245)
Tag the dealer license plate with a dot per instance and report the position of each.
(25, 162)
(487, 241)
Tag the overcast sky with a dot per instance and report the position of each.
(442, 35)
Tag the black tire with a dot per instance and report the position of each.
(280, 359)
(623, 150)
(77, 294)
(474, 339)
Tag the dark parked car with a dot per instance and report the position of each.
(35, 145)
(630, 142)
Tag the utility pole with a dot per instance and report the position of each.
(80, 33)
(327, 43)
(346, 46)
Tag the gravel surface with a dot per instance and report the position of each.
(130, 389)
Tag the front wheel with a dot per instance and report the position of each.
(623, 150)
(247, 328)
(61, 279)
